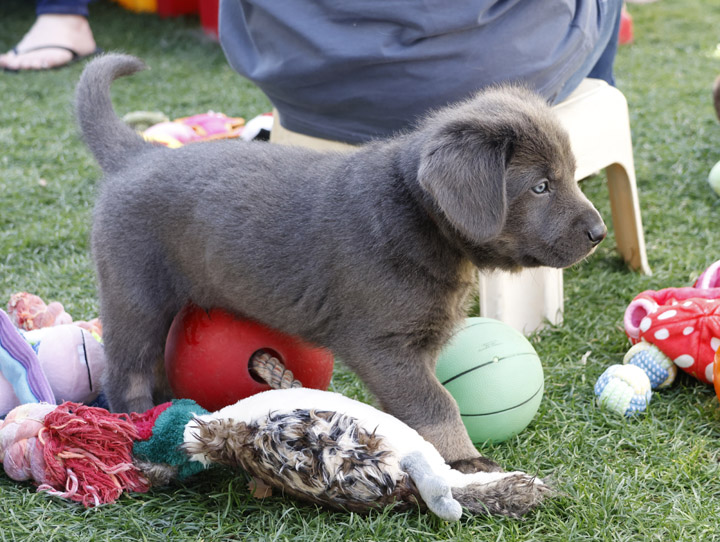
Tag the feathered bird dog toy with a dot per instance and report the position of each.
(314, 445)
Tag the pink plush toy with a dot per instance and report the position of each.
(66, 357)
(683, 323)
(45, 356)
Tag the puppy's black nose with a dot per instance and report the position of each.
(597, 233)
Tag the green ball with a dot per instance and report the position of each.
(714, 178)
(496, 377)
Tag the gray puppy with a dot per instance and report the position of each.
(370, 253)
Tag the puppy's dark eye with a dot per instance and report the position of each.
(541, 188)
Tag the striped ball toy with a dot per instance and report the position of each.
(624, 389)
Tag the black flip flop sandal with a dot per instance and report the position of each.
(76, 57)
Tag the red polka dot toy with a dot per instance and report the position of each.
(683, 323)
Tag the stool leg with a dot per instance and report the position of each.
(525, 300)
(625, 206)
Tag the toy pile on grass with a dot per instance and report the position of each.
(311, 444)
(670, 328)
(158, 128)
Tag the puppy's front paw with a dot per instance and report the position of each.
(475, 464)
(511, 494)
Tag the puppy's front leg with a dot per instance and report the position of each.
(409, 390)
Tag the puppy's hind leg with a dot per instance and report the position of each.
(134, 335)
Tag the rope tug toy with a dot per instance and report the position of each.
(314, 445)
(89, 455)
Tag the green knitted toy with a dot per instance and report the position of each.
(161, 434)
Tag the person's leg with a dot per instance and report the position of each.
(60, 29)
(603, 68)
(62, 7)
(599, 63)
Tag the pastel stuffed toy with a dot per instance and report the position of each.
(52, 364)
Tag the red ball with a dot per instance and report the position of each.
(207, 357)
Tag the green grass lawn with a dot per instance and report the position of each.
(652, 478)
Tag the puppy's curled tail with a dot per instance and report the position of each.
(108, 137)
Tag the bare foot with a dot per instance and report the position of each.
(71, 31)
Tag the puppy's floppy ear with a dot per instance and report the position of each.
(464, 171)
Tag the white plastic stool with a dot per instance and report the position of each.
(596, 117)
